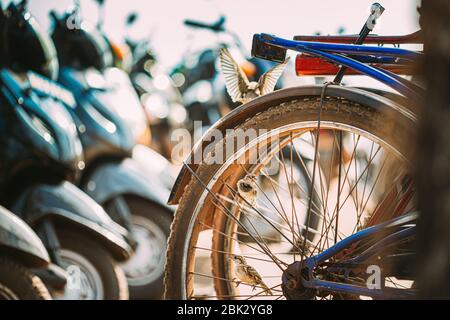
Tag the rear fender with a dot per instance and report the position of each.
(263, 103)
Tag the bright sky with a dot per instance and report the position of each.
(162, 21)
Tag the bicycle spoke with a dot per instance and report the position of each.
(339, 187)
(263, 292)
(250, 211)
(282, 188)
(228, 280)
(259, 213)
(228, 253)
(335, 210)
(262, 245)
(233, 238)
(230, 215)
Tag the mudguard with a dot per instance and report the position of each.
(126, 177)
(261, 104)
(390, 95)
(18, 240)
(65, 202)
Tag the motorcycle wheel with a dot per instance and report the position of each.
(18, 283)
(145, 269)
(93, 273)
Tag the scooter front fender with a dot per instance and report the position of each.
(19, 240)
(65, 202)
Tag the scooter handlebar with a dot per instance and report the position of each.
(197, 24)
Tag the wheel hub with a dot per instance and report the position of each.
(292, 282)
(84, 282)
(148, 261)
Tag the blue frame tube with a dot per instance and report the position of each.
(341, 48)
(379, 59)
(333, 52)
(384, 243)
(418, 90)
(368, 232)
(384, 293)
(370, 71)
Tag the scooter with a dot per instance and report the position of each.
(123, 177)
(22, 256)
(40, 154)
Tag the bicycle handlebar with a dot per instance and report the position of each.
(217, 27)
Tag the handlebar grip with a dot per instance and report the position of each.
(53, 15)
(193, 23)
(198, 24)
(376, 11)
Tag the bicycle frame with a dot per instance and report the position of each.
(349, 55)
(353, 57)
(402, 227)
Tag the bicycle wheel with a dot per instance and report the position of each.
(357, 174)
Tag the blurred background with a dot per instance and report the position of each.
(161, 22)
(126, 100)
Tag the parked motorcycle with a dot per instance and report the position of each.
(119, 175)
(40, 154)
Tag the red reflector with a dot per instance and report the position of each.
(306, 65)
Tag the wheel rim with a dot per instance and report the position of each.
(84, 281)
(147, 264)
(191, 245)
(7, 294)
